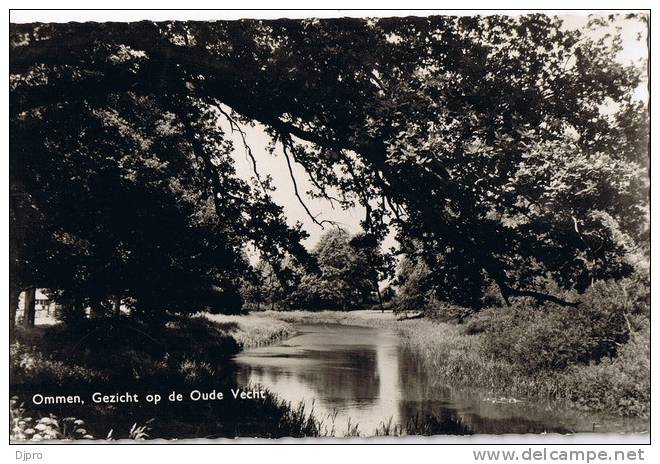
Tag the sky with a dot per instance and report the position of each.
(275, 164)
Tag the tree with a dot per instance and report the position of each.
(371, 266)
(414, 286)
(267, 286)
(332, 285)
(29, 311)
(125, 200)
(349, 273)
(438, 126)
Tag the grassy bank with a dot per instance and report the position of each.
(449, 354)
(120, 354)
(364, 318)
(252, 330)
(619, 385)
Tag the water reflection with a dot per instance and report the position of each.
(363, 375)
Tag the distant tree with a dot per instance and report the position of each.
(414, 286)
(331, 287)
(265, 287)
(252, 290)
(371, 266)
(349, 272)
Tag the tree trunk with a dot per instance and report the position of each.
(380, 299)
(116, 305)
(97, 312)
(29, 311)
(14, 295)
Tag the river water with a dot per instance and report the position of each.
(361, 376)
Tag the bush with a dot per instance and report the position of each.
(552, 337)
(620, 385)
(27, 365)
(630, 297)
(25, 427)
(197, 372)
(120, 350)
(446, 312)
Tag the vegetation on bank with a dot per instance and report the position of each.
(183, 353)
(199, 364)
(250, 331)
(616, 385)
(596, 357)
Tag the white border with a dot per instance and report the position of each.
(292, 453)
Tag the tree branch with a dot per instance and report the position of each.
(539, 296)
(288, 142)
(235, 126)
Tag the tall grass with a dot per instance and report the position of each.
(453, 354)
(252, 331)
(362, 318)
(619, 385)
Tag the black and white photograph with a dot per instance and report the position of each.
(329, 227)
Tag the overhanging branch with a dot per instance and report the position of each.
(287, 143)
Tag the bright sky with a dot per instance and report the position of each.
(275, 164)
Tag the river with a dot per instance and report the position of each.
(359, 376)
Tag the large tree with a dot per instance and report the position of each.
(129, 212)
(484, 138)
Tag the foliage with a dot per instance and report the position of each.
(83, 354)
(347, 271)
(482, 137)
(620, 385)
(507, 153)
(344, 280)
(52, 427)
(553, 337)
(24, 427)
(414, 286)
(30, 365)
(418, 292)
(176, 249)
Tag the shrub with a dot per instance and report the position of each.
(196, 372)
(27, 365)
(118, 349)
(620, 385)
(552, 337)
(536, 337)
(446, 312)
(630, 297)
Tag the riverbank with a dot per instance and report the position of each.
(450, 355)
(197, 351)
(121, 354)
(251, 331)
